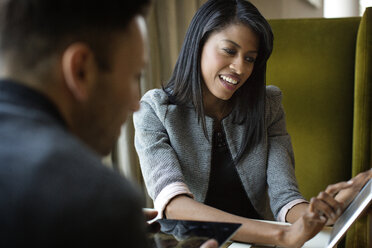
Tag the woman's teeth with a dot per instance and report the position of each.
(228, 79)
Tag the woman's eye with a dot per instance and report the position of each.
(229, 51)
(250, 59)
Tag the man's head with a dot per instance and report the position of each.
(86, 56)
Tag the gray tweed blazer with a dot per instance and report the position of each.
(172, 148)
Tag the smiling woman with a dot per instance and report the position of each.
(213, 143)
(227, 62)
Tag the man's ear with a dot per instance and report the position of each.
(79, 70)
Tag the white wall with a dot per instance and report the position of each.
(341, 8)
(277, 9)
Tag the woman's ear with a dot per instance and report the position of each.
(79, 70)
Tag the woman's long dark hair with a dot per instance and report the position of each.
(185, 84)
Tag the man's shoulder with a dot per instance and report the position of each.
(55, 182)
(37, 150)
(41, 140)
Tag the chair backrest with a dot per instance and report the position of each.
(313, 64)
(360, 233)
(324, 68)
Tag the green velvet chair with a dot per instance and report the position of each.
(324, 68)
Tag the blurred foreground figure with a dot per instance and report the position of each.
(69, 73)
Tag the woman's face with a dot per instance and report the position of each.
(227, 60)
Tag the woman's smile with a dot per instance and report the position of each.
(229, 82)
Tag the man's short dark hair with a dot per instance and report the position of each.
(33, 29)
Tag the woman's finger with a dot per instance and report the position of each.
(149, 213)
(322, 208)
(362, 178)
(336, 206)
(333, 189)
(314, 218)
(210, 244)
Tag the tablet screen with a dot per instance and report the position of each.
(191, 234)
(352, 212)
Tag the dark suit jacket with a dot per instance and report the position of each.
(54, 191)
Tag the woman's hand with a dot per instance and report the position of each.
(321, 210)
(305, 228)
(210, 244)
(337, 197)
(346, 196)
(150, 215)
(325, 204)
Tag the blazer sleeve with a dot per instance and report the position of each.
(159, 163)
(281, 179)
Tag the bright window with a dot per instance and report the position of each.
(363, 4)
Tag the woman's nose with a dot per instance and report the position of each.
(237, 66)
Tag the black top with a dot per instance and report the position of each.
(54, 190)
(225, 190)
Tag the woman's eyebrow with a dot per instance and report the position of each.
(232, 42)
(237, 45)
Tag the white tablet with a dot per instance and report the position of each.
(353, 211)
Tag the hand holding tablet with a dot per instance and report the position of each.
(359, 205)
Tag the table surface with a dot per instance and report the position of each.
(318, 241)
